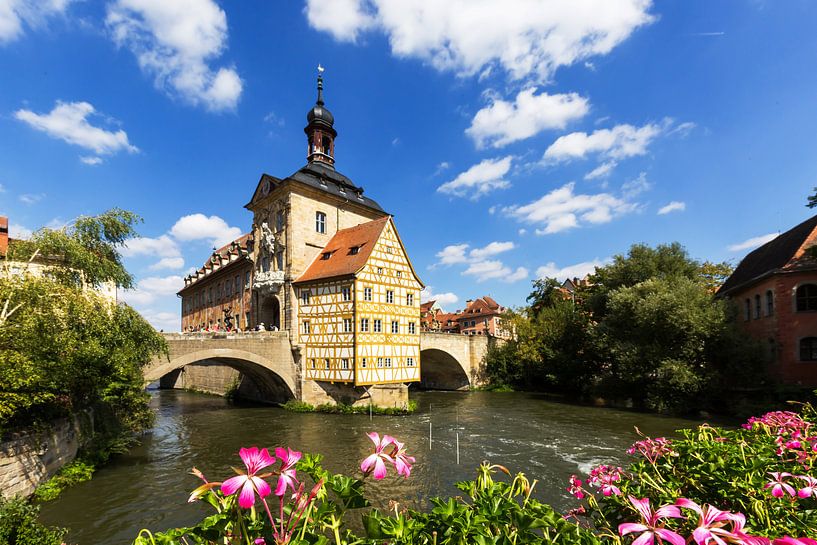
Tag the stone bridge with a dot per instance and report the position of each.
(265, 365)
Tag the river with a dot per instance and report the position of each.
(148, 486)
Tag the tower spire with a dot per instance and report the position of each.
(319, 130)
(320, 86)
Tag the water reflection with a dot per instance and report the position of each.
(148, 487)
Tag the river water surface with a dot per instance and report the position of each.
(148, 487)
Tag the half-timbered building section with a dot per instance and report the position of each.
(359, 309)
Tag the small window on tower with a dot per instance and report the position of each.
(320, 222)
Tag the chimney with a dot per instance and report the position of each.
(4, 235)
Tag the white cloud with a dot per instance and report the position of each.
(480, 179)
(68, 122)
(452, 254)
(562, 209)
(165, 321)
(752, 243)
(674, 206)
(199, 226)
(491, 249)
(167, 263)
(620, 142)
(577, 270)
(163, 246)
(478, 263)
(601, 171)
(152, 288)
(446, 298)
(502, 123)
(524, 37)
(495, 269)
(343, 19)
(636, 186)
(91, 160)
(176, 41)
(31, 198)
(34, 13)
(19, 231)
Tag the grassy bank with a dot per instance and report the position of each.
(303, 407)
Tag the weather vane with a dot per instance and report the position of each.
(320, 68)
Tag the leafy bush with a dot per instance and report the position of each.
(70, 474)
(761, 475)
(19, 525)
(69, 350)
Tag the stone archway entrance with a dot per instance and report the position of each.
(441, 371)
(269, 312)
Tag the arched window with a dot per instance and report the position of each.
(808, 349)
(747, 310)
(806, 297)
(769, 303)
(757, 306)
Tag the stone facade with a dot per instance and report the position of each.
(28, 460)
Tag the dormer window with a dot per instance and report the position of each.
(354, 250)
(326, 255)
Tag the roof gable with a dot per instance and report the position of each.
(784, 252)
(342, 259)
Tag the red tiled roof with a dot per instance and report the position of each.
(784, 252)
(341, 261)
(425, 307)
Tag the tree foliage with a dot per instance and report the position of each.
(63, 348)
(84, 252)
(646, 328)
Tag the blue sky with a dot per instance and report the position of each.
(510, 139)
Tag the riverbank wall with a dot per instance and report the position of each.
(28, 459)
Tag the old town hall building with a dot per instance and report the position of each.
(323, 262)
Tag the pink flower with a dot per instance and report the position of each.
(249, 483)
(402, 462)
(649, 525)
(651, 449)
(604, 477)
(376, 460)
(794, 541)
(711, 523)
(778, 486)
(575, 487)
(810, 489)
(286, 477)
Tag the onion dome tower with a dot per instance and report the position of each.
(319, 130)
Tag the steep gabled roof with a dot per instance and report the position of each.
(781, 254)
(343, 261)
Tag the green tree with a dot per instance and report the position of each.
(666, 338)
(713, 275)
(812, 199)
(64, 349)
(84, 252)
(545, 294)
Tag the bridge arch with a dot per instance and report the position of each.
(442, 371)
(273, 379)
